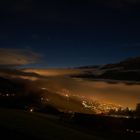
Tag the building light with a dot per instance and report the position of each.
(31, 110)
(43, 88)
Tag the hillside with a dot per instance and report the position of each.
(25, 125)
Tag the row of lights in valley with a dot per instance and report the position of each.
(100, 107)
(95, 106)
(7, 95)
(44, 99)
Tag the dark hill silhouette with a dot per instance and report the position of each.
(8, 84)
(128, 64)
(128, 70)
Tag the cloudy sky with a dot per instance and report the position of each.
(17, 57)
(68, 33)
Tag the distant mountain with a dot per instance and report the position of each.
(89, 67)
(128, 70)
(7, 84)
(10, 86)
(128, 64)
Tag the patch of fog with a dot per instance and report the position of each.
(120, 93)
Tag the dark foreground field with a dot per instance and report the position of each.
(16, 124)
(21, 125)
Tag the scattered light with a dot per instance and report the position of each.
(138, 132)
(31, 110)
(127, 130)
(84, 103)
(67, 95)
(43, 88)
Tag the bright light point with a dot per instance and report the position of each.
(67, 95)
(43, 88)
(31, 110)
(84, 103)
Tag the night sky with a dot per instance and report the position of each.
(71, 33)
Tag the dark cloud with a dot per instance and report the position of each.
(54, 7)
(17, 57)
(19, 73)
(133, 1)
(119, 3)
(15, 5)
(20, 6)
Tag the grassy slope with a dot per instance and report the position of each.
(19, 124)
